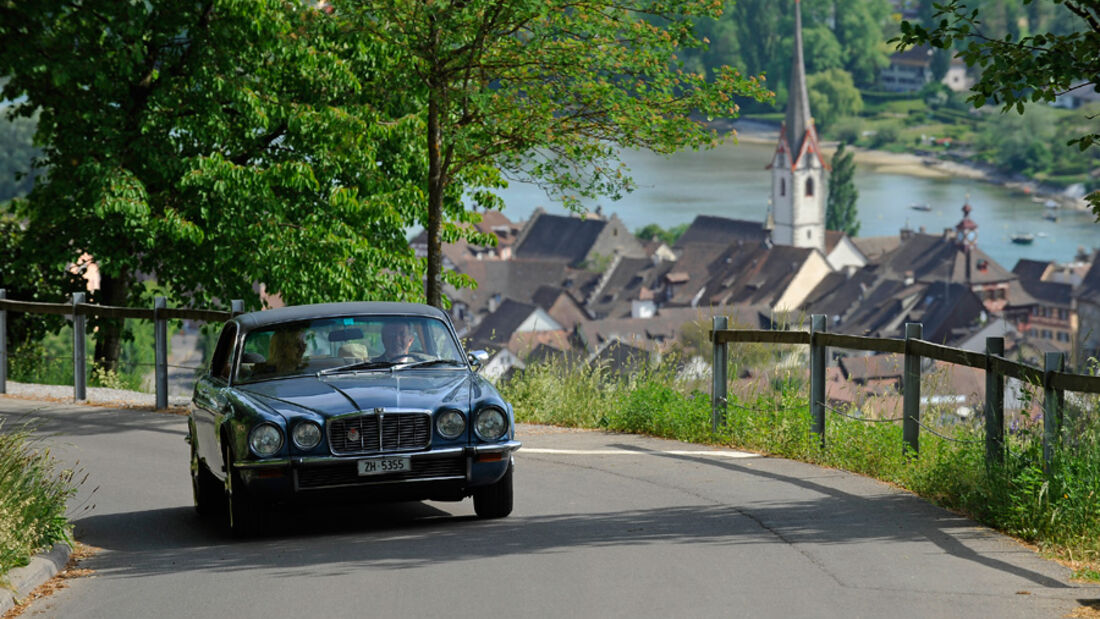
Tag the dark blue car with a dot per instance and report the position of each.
(346, 401)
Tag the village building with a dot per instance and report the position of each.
(911, 70)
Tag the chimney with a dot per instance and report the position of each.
(922, 231)
(948, 234)
(906, 233)
(909, 278)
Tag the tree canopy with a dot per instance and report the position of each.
(546, 91)
(213, 145)
(841, 212)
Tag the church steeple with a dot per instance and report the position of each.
(798, 169)
(798, 119)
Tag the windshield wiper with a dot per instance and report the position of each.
(358, 365)
(428, 363)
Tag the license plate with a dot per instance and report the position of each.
(383, 466)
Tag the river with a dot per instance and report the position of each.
(731, 181)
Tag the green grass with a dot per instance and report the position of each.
(33, 494)
(1059, 511)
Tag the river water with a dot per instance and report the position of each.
(731, 181)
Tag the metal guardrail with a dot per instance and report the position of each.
(160, 314)
(1053, 378)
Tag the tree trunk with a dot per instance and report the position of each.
(436, 178)
(113, 290)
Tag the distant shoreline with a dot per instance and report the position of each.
(908, 164)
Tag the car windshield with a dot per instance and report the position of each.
(352, 342)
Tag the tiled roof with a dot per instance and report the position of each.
(555, 237)
(497, 328)
(722, 231)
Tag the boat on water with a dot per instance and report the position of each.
(1051, 204)
(1023, 238)
(1050, 216)
(920, 207)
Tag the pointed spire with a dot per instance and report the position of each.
(798, 99)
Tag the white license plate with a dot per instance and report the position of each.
(383, 466)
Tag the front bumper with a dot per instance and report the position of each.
(448, 473)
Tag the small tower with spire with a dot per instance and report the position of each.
(798, 169)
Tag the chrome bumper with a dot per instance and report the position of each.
(448, 452)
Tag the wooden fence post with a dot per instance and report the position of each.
(994, 404)
(719, 363)
(160, 337)
(1052, 406)
(910, 425)
(3, 344)
(817, 377)
(80, 370)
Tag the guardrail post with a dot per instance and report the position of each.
(3, 344)
(718, 389)
(236, 306)
(80, 370)
(1052, 406)
(817, 377)
(994, 403)
(160, 336)
(910, 425)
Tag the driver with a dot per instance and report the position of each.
(397, 337)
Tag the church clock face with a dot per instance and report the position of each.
(972, 236)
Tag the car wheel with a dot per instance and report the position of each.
(204, 486)
(495, 501)
(243, 516)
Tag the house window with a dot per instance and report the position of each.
(809, 186)
(809, 234)
(782, 186)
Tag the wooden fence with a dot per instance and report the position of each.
(1053, 378)
(160, 314)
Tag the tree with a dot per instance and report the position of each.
(841, 212)
(17, 152)
(547, 91)
(1016, 71)
(833, 96)
(213, 145)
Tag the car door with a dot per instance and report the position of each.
(210, 401)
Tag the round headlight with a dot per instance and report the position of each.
(491, 424)
(306, 435)
(450, 424)
(265, 440)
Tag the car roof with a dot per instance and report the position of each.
(297, 313)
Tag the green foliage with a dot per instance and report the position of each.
(1059, 510)
(832, 96)
(214, 145)
(841, 210)
(521, 104)
(1017, 70)
(48, 360)
(33, 495)
(669, 237)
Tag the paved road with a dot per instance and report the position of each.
(605, 526)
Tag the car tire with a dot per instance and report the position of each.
(495, 501)
(242, 514)
(205, 488)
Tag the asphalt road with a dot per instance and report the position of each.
(605, 526)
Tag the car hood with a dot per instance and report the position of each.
(339, 394)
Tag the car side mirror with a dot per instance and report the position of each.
(478, 358)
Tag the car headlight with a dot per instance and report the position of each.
(491, 423)
(265, 439)
(450, 424)
(306, 435)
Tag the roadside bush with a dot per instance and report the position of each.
(33, 495)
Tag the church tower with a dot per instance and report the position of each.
(798, 169)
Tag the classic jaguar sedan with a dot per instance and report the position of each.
(348, 402)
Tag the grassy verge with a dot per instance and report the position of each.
(1059, 511)
(33, 494)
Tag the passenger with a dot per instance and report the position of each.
(285, 353)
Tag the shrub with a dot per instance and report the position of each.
(32, 499)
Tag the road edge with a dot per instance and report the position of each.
(21, 581)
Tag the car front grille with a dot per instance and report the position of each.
(379, 432)
(346, 474)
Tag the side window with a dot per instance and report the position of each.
(221, 362)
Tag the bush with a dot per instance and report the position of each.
(33, 494)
